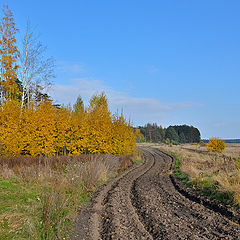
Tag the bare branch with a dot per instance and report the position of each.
(36, 70)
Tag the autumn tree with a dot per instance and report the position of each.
(80, 130)
(100, 122)
(9, 55)
(216, 145)
(62, 130)
(9, 128)
(124, 139)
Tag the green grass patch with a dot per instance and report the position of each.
(177, 165)
(19, 208)
(138, 161)
(35, 211)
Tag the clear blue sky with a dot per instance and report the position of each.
(169, 62)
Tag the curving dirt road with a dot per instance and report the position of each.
(143, 203)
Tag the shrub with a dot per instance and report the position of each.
(216, 144)
(167, 141)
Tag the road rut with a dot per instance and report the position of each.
(142, 203)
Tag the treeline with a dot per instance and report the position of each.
(44, 129)
(173, 134)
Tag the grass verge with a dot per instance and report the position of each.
(204, 184)
(40, 197)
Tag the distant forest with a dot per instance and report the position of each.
(225, 140)
(173, 134)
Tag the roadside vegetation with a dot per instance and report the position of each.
(40, 196)
(213, 173)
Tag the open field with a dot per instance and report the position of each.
(215, 173)
(40, 197)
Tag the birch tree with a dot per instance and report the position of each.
(36, 70)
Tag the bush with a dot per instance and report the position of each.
(216, 145)
(167, 141)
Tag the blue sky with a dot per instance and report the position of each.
(169, 62)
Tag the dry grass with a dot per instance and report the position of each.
(39, 197)
(205, 168)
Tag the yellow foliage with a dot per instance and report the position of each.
(43, 129)
(100, 122)
(216, 144)
(124, 140)
(139, 135)
(79, 133)
(9, 55)
(10, 133)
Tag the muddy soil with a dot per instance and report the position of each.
(143, 203)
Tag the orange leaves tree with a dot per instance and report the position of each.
(216, 145)
(100, 121)
(9, 55)
(123, 136)
(10, 130)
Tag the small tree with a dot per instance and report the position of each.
(216, 144)
(79, 105)
(9, 55)
(167, 141)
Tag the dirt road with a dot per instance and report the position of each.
(143, 203)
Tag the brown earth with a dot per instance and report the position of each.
(145, 203)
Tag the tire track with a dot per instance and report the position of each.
(167, 214)
(143, 203)
(114, 216)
